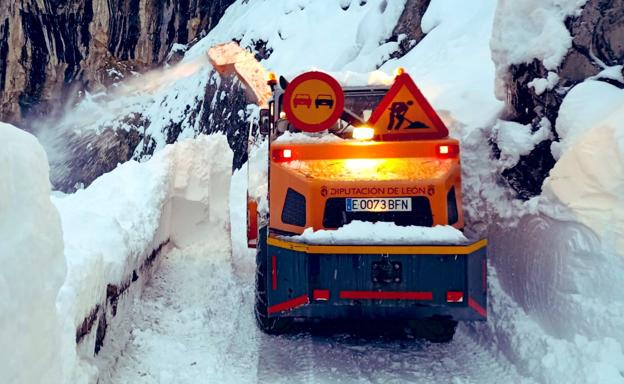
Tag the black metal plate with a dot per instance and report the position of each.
(386, 272)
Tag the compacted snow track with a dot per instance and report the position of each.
(195, 324)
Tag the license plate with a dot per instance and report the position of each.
(382, 204)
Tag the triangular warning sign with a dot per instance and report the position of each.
(405, 114)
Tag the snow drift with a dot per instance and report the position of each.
(107, 237)
(115, 229)
(32, 264)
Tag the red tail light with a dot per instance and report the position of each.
(321, 294)
(454, 297)
(285, 154)
(448, 151)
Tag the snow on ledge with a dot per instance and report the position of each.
(381, 233)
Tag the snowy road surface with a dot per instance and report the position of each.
(195, 324)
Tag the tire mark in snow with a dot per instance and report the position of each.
(195, 324)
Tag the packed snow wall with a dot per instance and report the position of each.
(73, 266)
(117, 230)
(32, 264)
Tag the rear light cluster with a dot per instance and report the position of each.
(448, 151)
(285, 154)
(443, 151)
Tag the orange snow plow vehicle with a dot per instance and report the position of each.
(340, 155)
(375, 154)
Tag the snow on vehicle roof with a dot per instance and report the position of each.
(381, 233)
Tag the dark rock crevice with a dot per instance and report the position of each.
(226, 112)
(124, 28)
(4, 52)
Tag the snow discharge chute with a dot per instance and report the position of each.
(231, 59)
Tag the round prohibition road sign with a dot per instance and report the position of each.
(313, 101)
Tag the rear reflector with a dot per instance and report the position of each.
(321, 294)
(288, 305)
(386, 295)
(448, 151)
(454, 297)
(477, 307)
(273, 273)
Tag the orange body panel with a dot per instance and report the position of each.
(320, 171)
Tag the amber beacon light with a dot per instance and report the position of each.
(363, 133)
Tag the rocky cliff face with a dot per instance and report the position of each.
(51, 48)
(408, 31)
(597, 43)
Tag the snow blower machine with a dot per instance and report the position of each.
(339, 156)
(372, 154)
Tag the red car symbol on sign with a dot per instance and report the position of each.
(302, 99)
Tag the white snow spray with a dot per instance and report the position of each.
(78, 123)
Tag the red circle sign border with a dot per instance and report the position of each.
(331, 120)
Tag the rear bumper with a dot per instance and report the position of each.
(318, 281)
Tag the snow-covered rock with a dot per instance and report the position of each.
(528, 30)
(542, 49)
(32, 264)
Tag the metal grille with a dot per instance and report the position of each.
(294, 211)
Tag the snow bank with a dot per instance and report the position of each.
(357, 47)
(108, 227)
(452, 65)
(250, 181)
(32, 265)
(201, 185)
(113, 228)
(258, 168)
(555, 307)
(381, 233)
(547, 358)
(596, 99)
(589, 176)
